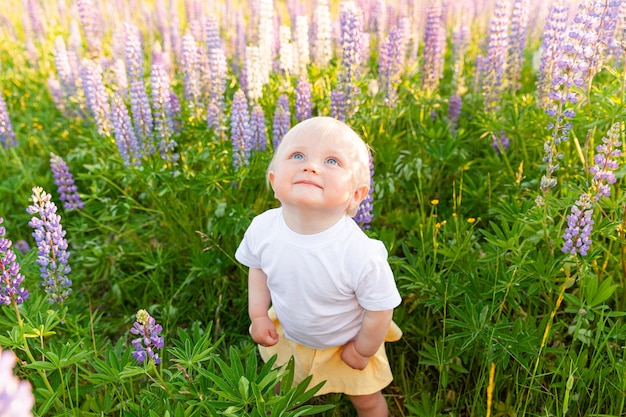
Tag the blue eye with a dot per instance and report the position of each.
(332, 161)
(298, 156)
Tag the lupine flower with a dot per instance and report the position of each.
(10, 277)
(605, 163)
(496, 55)
(16, 396)
(303, 54)
(500, 143)
(364, 213)
(517, 42)
(52, 253)
(351, 41)
(286, 50)
(35, 12)
(162, 110)
(282, 120)
(434, 38)
(87, 14)
(213, 116)
(390, 59)
(323, 34)
(63, 179)
(7, 135)
(127, 143)
(63, 67)
(266, 40)
(554, 34)
(338, 105)
(149, 340)
(191, 88)
(579, 226)
(454, 110)
(96, 95)
(304, 106)
(577, 236)
(574, 69)
(22, 246)
(217, 68)
(254, 76)
(240, 130)
(139, 100)
(258, 129)
(460, 43)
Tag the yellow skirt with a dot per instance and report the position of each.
(327, 365)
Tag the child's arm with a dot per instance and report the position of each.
(262, 330)
(357, 352)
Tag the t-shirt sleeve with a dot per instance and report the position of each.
(376, 289)
(246, 253)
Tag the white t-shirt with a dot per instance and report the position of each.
(320, 284)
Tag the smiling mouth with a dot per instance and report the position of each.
(309, 183)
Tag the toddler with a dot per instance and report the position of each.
(330, 287)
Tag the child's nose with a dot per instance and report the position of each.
(310, 166)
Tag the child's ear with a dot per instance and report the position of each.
(270, 178)
(359, 195)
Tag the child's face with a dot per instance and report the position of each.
(317, 173)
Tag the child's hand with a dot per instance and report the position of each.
(352, 358)
(263, 331)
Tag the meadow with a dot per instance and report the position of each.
(134, 140)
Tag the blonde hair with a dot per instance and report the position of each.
(321, 127)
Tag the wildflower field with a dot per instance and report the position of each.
(134, 139)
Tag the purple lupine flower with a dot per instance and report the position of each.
(127, 143)
(217, 69)
(323, 34)
(454, 110)
(63, 179)
(214, 116)
(553, 37)
(35, 12)
(258, 129)
(52, 253)
(517, 43)
(338, 105)
(7, 135)
(605, 163)
(304, 105)
(496, 55)
(142, 115)
(162, 109)
(149, 340)
(351, 41)
(577, 236)
(282, 120)
(191, 88)
(240, 130)
(22, 246)
(574, 70)
(16, 396)
(434, 39)
(88, 19)
(213, 39)
(134, 52)
(364, 214)
(63, 67)
(500, 143)
(10, 277)
(390, 59)
(96, 95)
